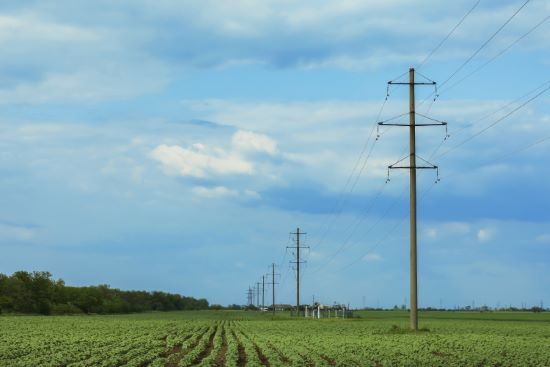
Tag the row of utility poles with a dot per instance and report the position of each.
(251, 300)
(255, 300)
(412, 167)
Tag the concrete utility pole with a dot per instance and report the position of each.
(263, 291)
(412, 167)
(297, 247)
(273, 282)
(249, 294)
(412, 176)
(258, 294)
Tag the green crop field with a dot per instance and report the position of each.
(239, 338)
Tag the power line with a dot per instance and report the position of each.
(400, 222)
(494, 123)
(456, 132)
(506, 155)
(336, 211)
(386, 212)
(340, 202)
(388, 234)
(353, 228)
(484, 44)
(497, 55)
(448, 35)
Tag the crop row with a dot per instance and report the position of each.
(166, 342)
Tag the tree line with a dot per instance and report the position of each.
(39, 293)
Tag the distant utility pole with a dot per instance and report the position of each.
(297, 247)
(258, 294)
(249, 294)
(412, 167)
(263, 291)
(273, 283)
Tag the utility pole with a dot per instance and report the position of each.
(412, 167)
(263, 292)
(258, 294)
(297, 247)
(249, 294)
(273, 283)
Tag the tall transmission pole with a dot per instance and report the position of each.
(297, 247)
(273, 283)
(412, 167)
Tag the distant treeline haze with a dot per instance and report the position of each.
(38, 293)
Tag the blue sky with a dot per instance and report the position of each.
(174, 145)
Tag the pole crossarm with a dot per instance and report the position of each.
(428, 165)
(411, 83)
(434, 123)
(429, 124)
(405, 83)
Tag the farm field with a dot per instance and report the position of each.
(238, 338)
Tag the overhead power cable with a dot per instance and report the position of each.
(448, 35)
(484, 44)
(351, 229)
(400, 222)
(354, 176)
(494, 122)
(531, 30)
(341, 198)
(388, 234)
(456, 132)
(506, 155)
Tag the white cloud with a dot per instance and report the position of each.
(33, 28)
(251, 194)
(485, 234)
(222, 191)
(431, 233)
(90, 85)
(543, 238)
(187, 162)
(447, 229)
(248, 141)
(372, 258)
(15, 232)
(213, 192)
